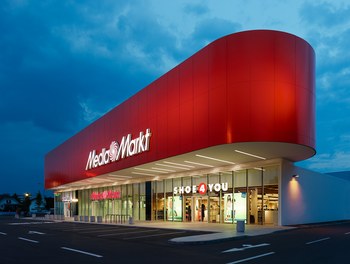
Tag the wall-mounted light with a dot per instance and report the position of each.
(295, 176)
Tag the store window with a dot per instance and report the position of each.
(136, 202)
(187, 199)
(271, 174)
(227, 198)
(169, 199)
(240, 195)
(175, 206)
(142, 202)
(214, 198)
(200, 201)
(158, 200)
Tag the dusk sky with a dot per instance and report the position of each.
(63, 64)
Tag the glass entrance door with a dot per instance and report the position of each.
(214, 212)
(188, 209)
(255, 205)
(201, 209)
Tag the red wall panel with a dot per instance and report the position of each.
(253, 86)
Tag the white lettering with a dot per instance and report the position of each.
(217, 187)
(194, 189)
(96, 161)
(89, 163)
(127, 148)
(181, 190)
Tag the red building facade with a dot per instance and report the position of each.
(246, 95)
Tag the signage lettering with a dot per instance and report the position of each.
(96, 196)
(127, 148)
(202, 188)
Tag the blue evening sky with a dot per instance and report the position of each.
(65, 63)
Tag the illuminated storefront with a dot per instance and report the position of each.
(212, 140)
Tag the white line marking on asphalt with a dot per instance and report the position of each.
(348, 233)
(29, 240)
(36, 232)
(316, 241)
(255, 257)
(117, 234)
(31, 223)
(1, 233)
(103, 230)
(82, 252)
(163, 234)
(81, 228)
(245, 246)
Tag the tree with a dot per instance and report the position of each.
(38, 199)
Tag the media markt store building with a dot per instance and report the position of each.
(213, 140)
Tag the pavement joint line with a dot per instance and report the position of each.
(29, 240)
(125, 233)
(318, 240)
(255, 257)
(81, 229)
(103, 230)
(2, 233)
(82, 252)
(162, 234)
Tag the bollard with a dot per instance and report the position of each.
(240, 227)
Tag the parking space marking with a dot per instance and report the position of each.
(82, 252)
(104, 230)
(36, 232)
(31, 223)
(255, 257)
(1, 233)
(28, 240)
(80, 229)
(125, 233)
(316, 241)
(162, 234)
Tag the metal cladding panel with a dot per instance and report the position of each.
(253, 86)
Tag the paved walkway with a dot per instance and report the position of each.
(220, 231)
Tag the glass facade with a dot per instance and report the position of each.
(222, 197)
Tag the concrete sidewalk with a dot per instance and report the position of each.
(220, 232)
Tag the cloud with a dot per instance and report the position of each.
(324, 14)
(49, 60)
(196, 9)
(330, 162)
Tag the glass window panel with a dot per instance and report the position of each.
(199, 179)
(169, 186)
(160, 188)
(227, 177)
(271, 175)
(214, 178)
(239, 179)
(187, 181)
(136, 201)
(254, 177)
(143, 188)
(177, 183)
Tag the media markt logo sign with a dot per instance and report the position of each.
(128, 147)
